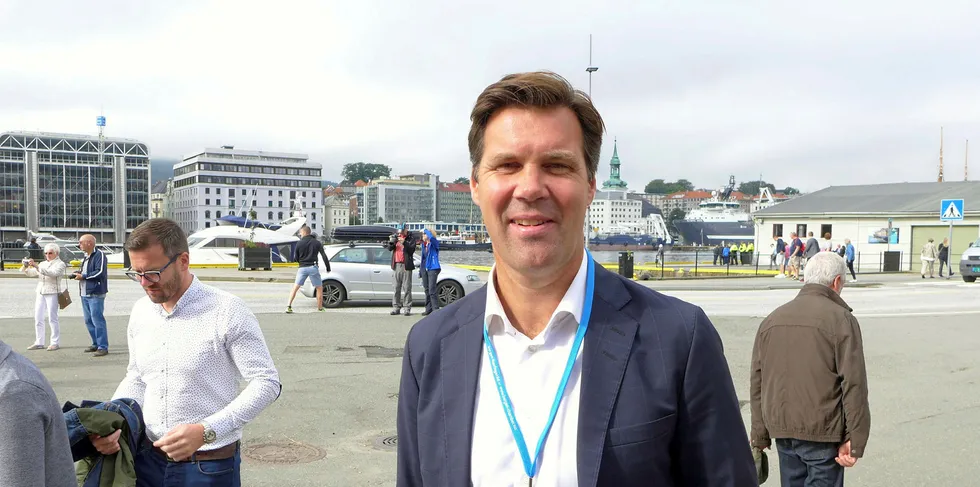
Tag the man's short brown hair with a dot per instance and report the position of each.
(539, 89)
(158, 231)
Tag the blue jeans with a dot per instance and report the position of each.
(93, 308)
(152, 470)
(312, 273)
(808, 464)
(430, 280)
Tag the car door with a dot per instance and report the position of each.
(381, 273)
(353, 267)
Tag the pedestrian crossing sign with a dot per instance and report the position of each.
(951, 210)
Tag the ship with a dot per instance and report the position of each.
(717, 220)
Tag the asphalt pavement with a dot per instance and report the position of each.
(335, 422)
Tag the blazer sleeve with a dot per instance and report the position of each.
(409, 471)
(711, 446)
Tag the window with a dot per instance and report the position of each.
(280, 204)
(207, 190)
(270, 213)
(207, 214)
(207, 201)
(280, 215)
(207, 224)
(270, 194)
(777, 230)
(313, 204)
(217, 202)
(354, 256)
(801, 229)
(825, 229)
(217, 214)
(231, 203)
(280, 194)
(217, 191)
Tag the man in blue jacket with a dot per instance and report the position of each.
(93, 286)
(429, 271)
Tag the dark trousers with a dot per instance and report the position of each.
(430, 279)
(850, 267)
(945, 261)
(808, 464)
(152, 470)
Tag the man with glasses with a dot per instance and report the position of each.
(189, 345)
(93, 286)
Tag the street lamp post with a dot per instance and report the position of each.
(588, 210)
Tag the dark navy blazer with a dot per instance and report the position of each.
(657, 405)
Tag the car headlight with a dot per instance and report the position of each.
(473, 278)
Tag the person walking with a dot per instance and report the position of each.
(49, 274)
(307, 250)
(190, 347)
(944, 258)
(429, 271)
(93, 285)
(809, 386)
(928, 257)
(849, 258)
(402, 249)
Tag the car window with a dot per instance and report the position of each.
(381, 255)
(354, 256)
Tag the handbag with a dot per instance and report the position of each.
(64, 298)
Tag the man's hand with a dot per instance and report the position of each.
(182, 441)
(106, 445)
(78, 276)
(844, 457)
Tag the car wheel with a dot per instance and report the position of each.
(449, 292)
(970, 278)
(333, 294)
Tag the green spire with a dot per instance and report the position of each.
(614, 182)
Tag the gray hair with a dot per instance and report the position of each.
(823, 268)
(52, 247)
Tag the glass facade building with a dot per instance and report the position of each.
(58, 184)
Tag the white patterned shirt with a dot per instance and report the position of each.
(532, 370)
(185, 366)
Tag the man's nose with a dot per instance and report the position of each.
(532, 183)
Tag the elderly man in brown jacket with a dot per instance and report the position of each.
(809, 388)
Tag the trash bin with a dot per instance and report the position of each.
(626, 264)
(892, 261)
(746, 258)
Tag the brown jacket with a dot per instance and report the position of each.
(808, 377)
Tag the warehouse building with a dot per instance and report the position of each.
(888, 224)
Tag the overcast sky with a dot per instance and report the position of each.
(806, 95)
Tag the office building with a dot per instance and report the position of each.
(455, 204)
(216, 182)
(59, 184)
(408, 198)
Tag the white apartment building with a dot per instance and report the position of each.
(610, 210)
(336, 213)
(217, 182)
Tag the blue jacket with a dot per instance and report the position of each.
(849, 253)
(430, 252)
(657, 407)
(88, 419)
(96, 274)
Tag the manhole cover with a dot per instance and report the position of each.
(387, 443)
(374, 351)
(283, 452)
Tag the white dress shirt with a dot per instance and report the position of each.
(532, 370)
(185, 366)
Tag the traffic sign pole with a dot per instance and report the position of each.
(949, 252)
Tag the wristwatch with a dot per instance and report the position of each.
(209, 434)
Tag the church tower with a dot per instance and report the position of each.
(614, 183)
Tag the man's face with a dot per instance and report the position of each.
(87, 245)
(533, 188)
(153, 258)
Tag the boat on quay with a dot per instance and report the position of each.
(717, 220)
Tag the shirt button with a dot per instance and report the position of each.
(533, 348)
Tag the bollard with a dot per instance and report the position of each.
(696, 262)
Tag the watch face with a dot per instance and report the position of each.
(209, 435)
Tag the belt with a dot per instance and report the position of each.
(222, 453)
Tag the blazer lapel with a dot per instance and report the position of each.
(461, 352)
(604, 356)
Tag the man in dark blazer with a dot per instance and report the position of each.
(644, 397)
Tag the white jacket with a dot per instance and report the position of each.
(49, 274)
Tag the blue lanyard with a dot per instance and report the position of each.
(530, 466)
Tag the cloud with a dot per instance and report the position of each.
(805, 95)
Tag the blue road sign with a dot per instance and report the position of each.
(100, 121)
(951, 210)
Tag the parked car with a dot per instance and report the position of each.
(362, 272)
(970, 262)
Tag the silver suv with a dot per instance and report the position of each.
(970, 262)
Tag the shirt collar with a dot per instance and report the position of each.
(571, 303)
(182, 302)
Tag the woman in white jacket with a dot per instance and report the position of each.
(49, 274)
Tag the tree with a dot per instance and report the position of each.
(381, 219)
(462, 180)
(363, 171)
(789, 191)
(659, 186)
(755, 187)
(675, 214)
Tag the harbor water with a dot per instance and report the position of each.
(640, 257)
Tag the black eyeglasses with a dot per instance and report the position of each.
(150, 276)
